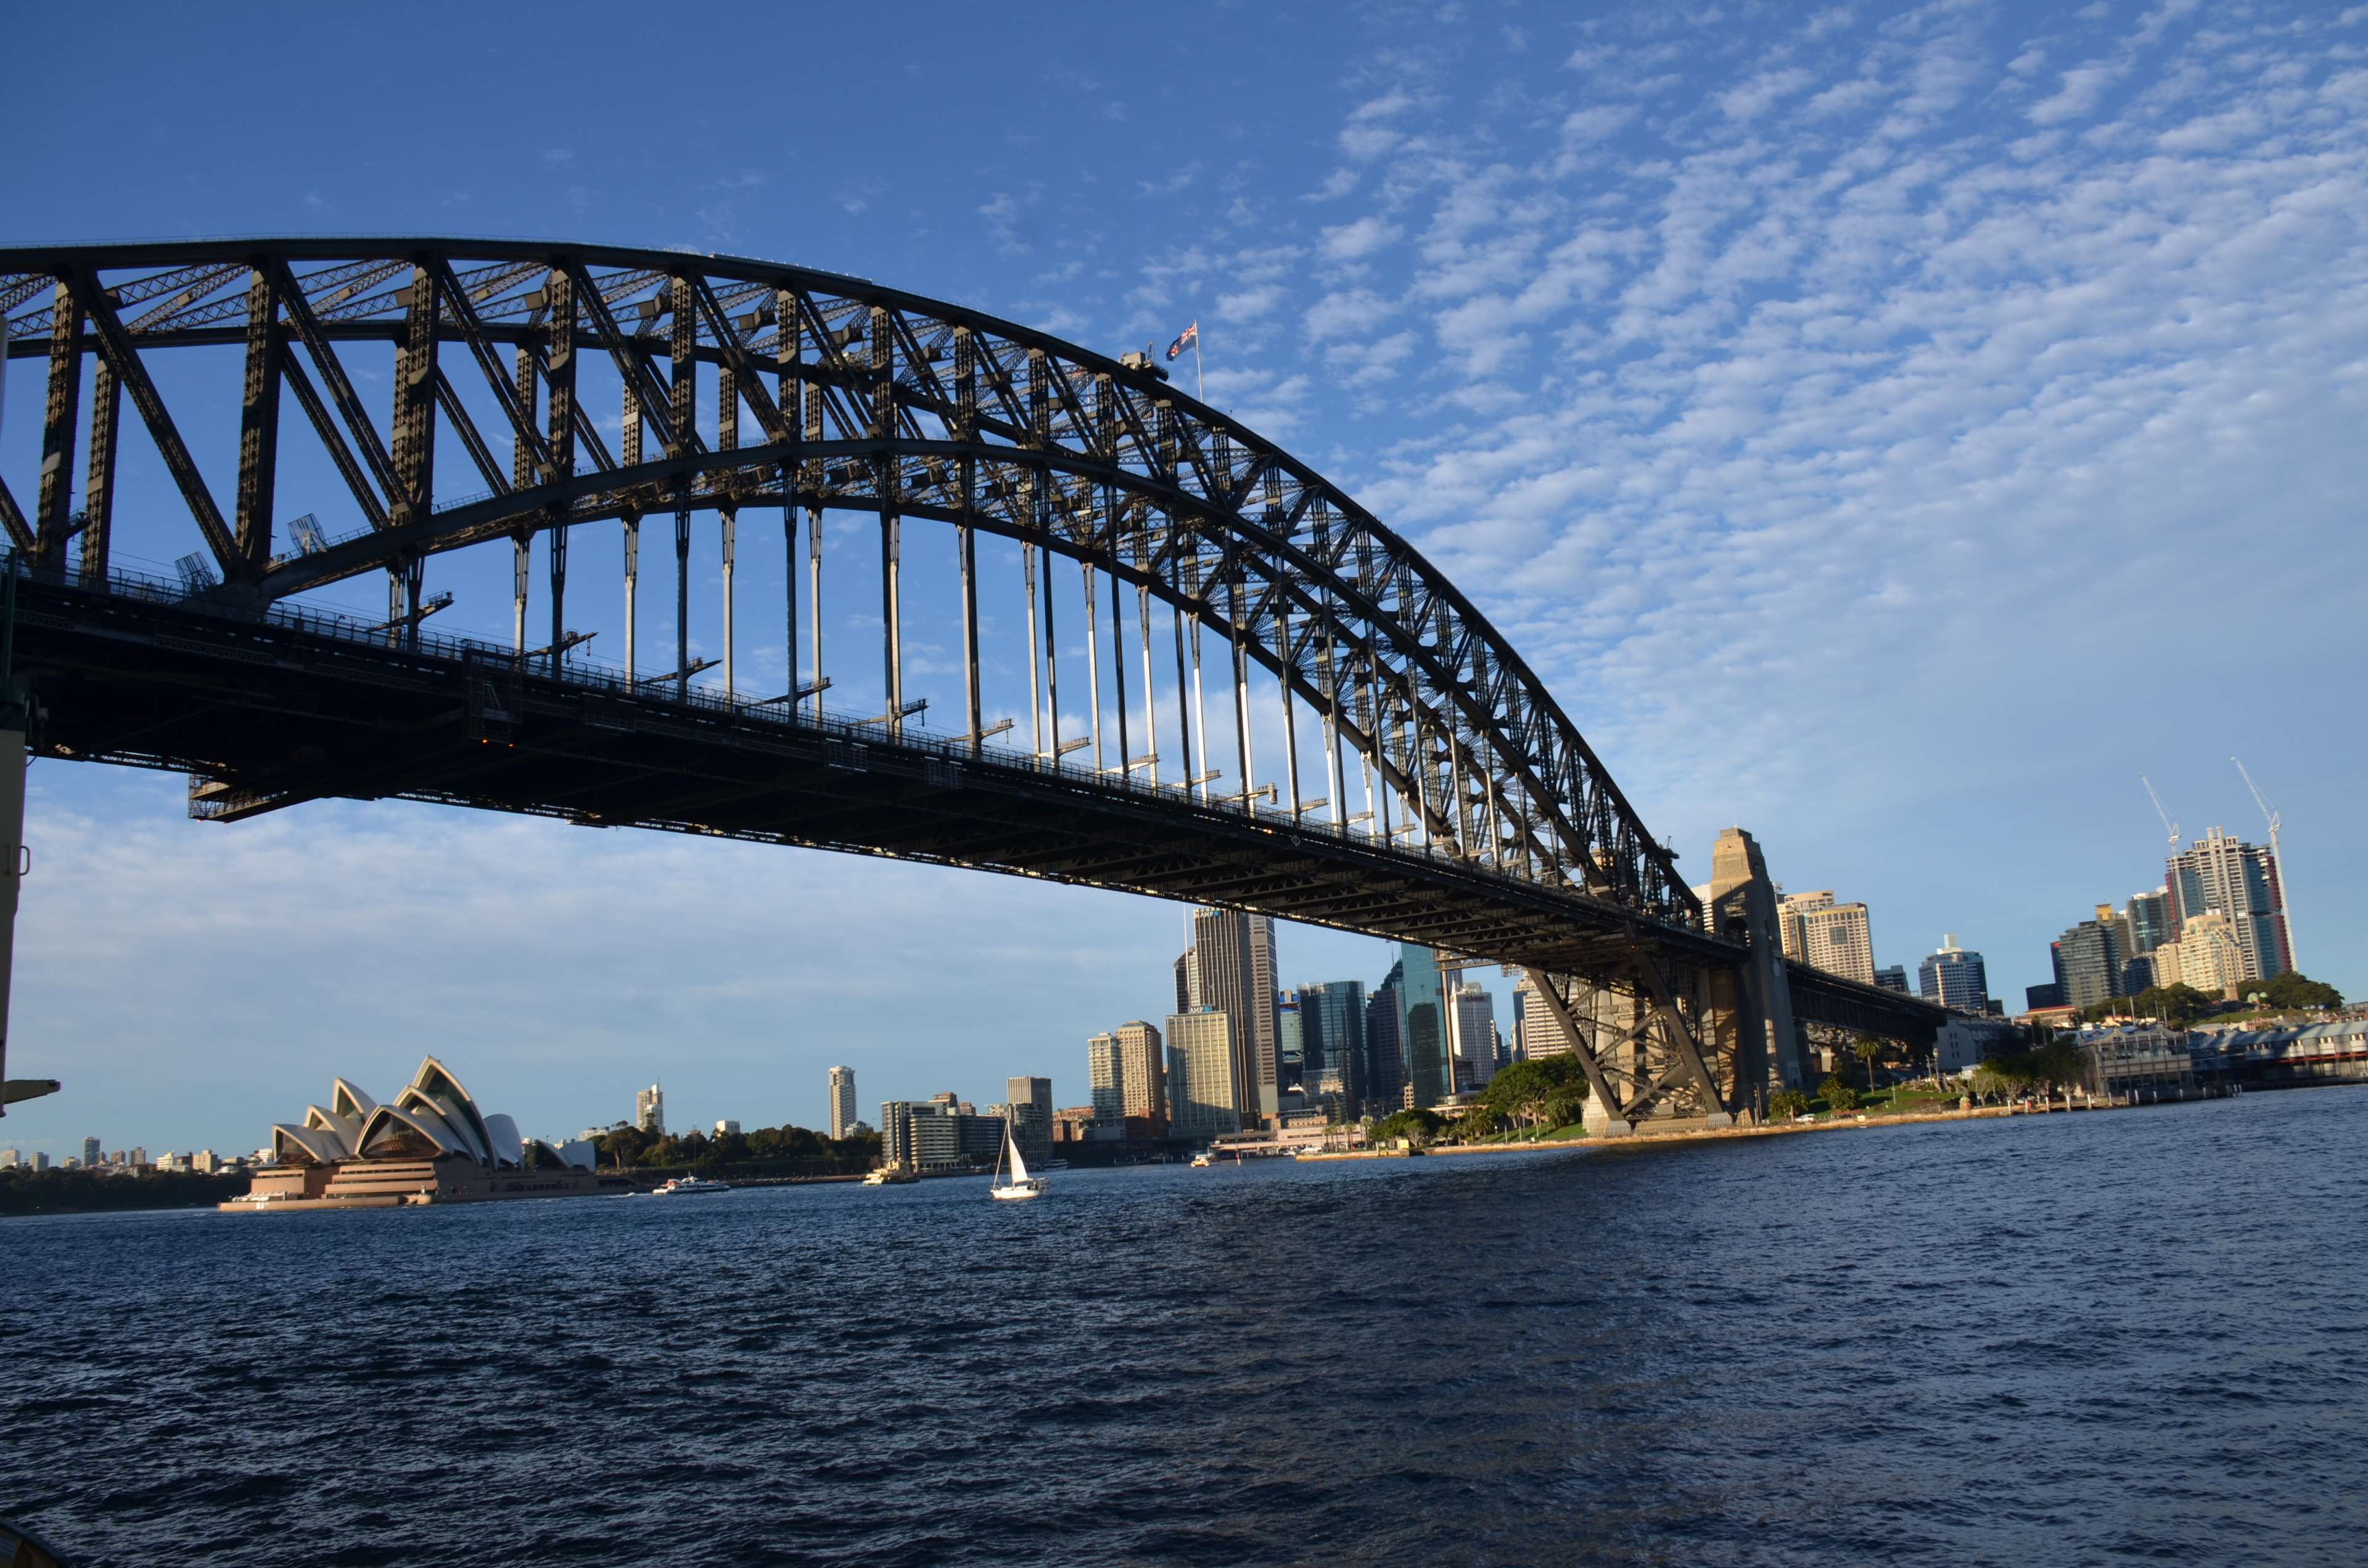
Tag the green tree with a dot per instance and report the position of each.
(1838, 1095)
(1868, 1051)
(1786, 1104)
(2297, 991)
(1417, 1127)
(1479, 1122)
(2175, 1005)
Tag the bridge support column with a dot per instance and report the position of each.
(1757, 998)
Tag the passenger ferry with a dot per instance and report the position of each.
(681, 1184)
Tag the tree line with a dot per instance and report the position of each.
(26, 1191)
(628, 1146)
(2181, 1004)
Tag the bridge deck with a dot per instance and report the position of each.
(268, 713)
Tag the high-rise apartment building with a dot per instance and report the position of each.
(1332, 1041)
(842, 1102)
(1265, 1014)
(2089, 964)
(2207, 956)
(1954, 977)
(1105, 1079)
(1201, 1073)
(2227, 875)
(649, 1111)
(1143, 1075)
(89, 1153)
(1825, 935)
(1030, 1100)
(11, 1157)
(2148, 915)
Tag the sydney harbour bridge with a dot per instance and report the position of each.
(1282, 707)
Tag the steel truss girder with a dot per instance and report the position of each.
(1175, 497)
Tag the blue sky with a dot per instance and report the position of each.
(1891, 429)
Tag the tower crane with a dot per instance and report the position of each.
(2277, 859)
(2168, 826)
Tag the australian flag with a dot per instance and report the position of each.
(1185, 339)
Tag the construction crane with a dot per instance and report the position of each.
(2168, 826)
(2275, 822)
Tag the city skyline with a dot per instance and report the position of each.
(1879, 338)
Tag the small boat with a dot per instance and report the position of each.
(891, 1175)
(1022, 1185)
(682, 1185)
(1201, 1162)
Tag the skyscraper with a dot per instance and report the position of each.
(1188, 982)
(2217, 872)
(1143, 1075)
(1541, 1034)
(1201, 1059)
(1223, 979)
(649, 1111)
(1032, 1115)
(2089, 964)
(1825, 935)
(1332, 1041)
(2149, 918)
(1476, 1031)
(1384, 1056)
(1422, 1025)
(1290, 1043)
(1954, 977)
(89, 1153)
(1265, 1014)
(1104, 1079)
(842, 1102)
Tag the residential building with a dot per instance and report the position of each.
(1892, 977)
(2088, 962)
(1073, 1124)
(2212, 954)
(2227, 875)
(89, 1153)
(1266, 1016)
(1104, 1079)
(649, 1111)
(1953, 977)
(727, 1129)
(1032, 1115)
(1475, 1019)
(1142, 1078)
(933, 1135)
(842, 1102)
(2149, 918)
(1332, 1041)
(137, 1156)
(1962, 1042)
(11, 1158)
(1202, 1060)
(1825, 935)
(40, 1160)
(1422, 1025)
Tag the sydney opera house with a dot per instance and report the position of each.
(431, 1145)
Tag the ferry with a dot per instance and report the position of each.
(1201, 1162)
(890, 1175)
(682, 1185)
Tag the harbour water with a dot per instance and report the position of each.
(2068, 1339)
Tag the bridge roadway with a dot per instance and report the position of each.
(266, 713)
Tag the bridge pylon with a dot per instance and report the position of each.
(1755, 1000)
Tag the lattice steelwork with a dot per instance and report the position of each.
(833, 394)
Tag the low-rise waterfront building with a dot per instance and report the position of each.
(2147, 1061)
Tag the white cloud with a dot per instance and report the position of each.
(1356, 241)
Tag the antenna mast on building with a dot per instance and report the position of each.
(2279, 861)
(2168, 826)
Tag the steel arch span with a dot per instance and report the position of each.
(1489, 828)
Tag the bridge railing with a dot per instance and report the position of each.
(587, 675)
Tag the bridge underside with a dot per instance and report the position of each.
(264, 715)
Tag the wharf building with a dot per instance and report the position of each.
(1954, 977)
(430, 1145)
(1825, 935)
(938, 1134)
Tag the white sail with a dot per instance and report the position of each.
(1019, 1166)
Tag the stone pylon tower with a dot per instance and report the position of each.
(1768, 1051)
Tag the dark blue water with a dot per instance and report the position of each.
(2075, 1339)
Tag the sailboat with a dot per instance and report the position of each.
(1021, 1183)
